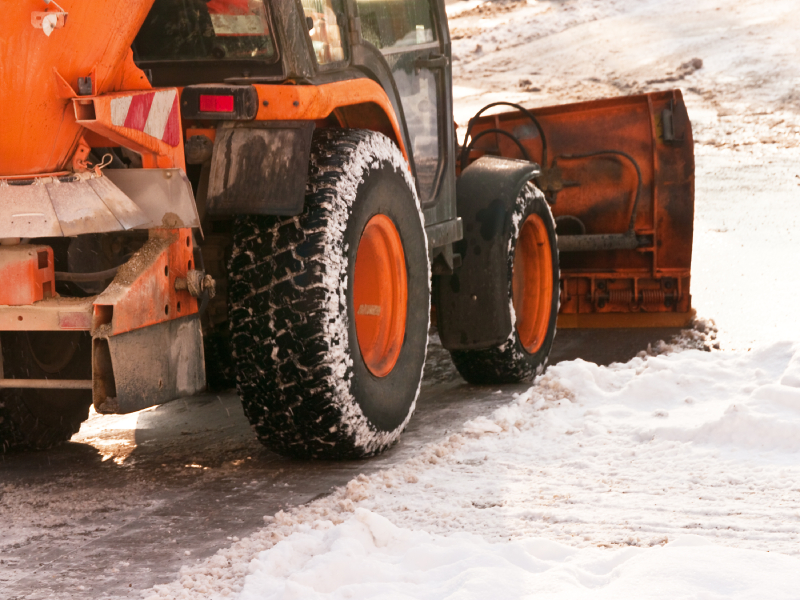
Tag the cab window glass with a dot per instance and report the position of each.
(391, 24)
(199, 29)
(324, 18)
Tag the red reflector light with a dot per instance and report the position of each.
(216, 103)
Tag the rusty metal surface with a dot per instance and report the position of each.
(623, 171)
(53, 314)
(639, 320)
(163, 195)
(148, 366)
(143, 291)
(598, 241)
(46, 384)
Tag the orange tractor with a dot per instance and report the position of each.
(271, 195)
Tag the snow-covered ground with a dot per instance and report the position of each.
(670, 476)
(676, 475)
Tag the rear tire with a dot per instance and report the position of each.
(40, 419)
(314, 379)
(533, 299)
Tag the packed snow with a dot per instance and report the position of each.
(673, 475)
(369, 557)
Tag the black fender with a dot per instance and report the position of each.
(472, 303)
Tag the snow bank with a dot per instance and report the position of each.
(368, 557)
(674, 475)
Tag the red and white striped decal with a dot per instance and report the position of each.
(153, 113)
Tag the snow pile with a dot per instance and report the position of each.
(369, 557)
(588, 483)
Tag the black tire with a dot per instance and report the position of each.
(40, 419)
(220, 370)
(509, 362)
(304, 385)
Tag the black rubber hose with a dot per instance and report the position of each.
(500, 132)
(86, 277)
(523, 110)
(635, 166)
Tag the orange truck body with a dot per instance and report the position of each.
(39, 77)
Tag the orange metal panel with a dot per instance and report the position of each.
(143, 292)
(624, 320)
(339, 99)
(147, 122)
(208, 132)
(27, 274)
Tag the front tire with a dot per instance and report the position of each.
(533, 299)
(329, 310)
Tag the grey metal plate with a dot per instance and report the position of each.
(164, 195)
(79, 209)
(121, 206)
(156, 364)
(26, 211)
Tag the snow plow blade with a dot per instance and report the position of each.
(619, 177)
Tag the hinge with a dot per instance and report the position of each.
(354, 30)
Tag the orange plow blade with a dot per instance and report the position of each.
(619, 177)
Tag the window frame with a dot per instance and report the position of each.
(431, 45)
(335, 65)
(257, 68)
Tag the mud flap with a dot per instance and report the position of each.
(472, 303)
(260, 170)
(148, 366)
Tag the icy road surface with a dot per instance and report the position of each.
(674, 474)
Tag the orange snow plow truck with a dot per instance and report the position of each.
(270, 194)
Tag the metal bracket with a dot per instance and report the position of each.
(433, 61)
(48, 21)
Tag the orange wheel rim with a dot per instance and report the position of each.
(380, 295)
(532, 283)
